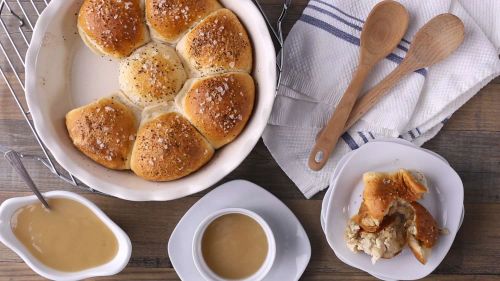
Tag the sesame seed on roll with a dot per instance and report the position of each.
(104, 131)
(168, 147)
(169, 20)
(112, 27)
(153, 74)
(219, 106)
(219, 43)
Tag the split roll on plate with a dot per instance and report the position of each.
(151, 75)
(168, 147)
(219, 43)
(218, 106)
(112, 27)
(389, 217)
(169, 20)
(104, 131)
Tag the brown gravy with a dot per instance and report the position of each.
(69, 237)
(234, 246)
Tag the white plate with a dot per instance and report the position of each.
(293, 249)
(62, 73)
(325, 208)
(444, 202)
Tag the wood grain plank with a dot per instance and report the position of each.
(481, 179)
(479, 113)
(479, 170)
(20, 272)
(468, 151)
(11, 271)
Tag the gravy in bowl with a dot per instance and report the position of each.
(234, 246)
(69, 237)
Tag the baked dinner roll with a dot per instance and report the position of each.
(151, 75)
(104, 131)
(168, 20)
(389, 217)
(423, 232)
(383, 191)
(218, 106)
(168, 147)
(112, 27)
(219, 43)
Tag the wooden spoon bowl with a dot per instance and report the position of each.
(383, 30)
(434, 42)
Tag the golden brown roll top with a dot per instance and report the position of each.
(219, 43)
(168, 147)
(218, 106)
(168, 20)
(383, 190)
(151, 75)
(423, 232)
(112, 27)
(426, 228)
(104, 131)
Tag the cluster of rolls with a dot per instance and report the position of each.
(182, 94)
(390, 217)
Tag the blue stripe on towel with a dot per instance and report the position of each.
(348, 37)
(339, 10)
(347, 15)
(371, 135)
(332, 15)
(323, 11)
(411, 135)
(350, 141)
(418, 131)
(335, 31)
(363, 137)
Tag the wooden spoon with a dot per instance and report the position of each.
(383, 30)
(435, 41)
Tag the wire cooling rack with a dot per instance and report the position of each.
(18, 19)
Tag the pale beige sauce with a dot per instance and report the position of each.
(68, 237)
(234, 246)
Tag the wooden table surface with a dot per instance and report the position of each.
(470, 141)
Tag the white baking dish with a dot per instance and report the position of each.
(62, 74)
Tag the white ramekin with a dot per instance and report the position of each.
(7, 237)
(202, 267)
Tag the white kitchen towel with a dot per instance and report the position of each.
(320, 55)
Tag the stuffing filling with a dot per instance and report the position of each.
(389, 240)
(386, 243)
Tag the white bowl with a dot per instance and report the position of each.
(62, 74)
(198, 235)
(7, 237)
(444, 201)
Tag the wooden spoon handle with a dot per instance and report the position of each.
(366, 102)
(335, 127)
